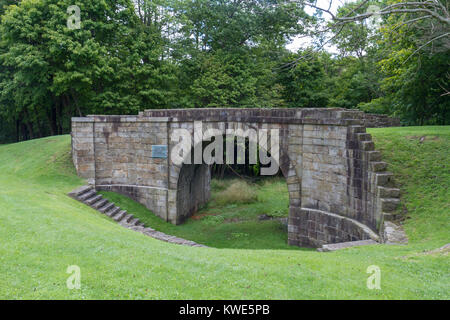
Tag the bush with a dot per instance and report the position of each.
(237, 192)
(219, 185)
(379, 105)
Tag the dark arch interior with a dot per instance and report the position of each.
(193, 189)
(194, 181)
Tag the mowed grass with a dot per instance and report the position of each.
(42, 232)
(231, 219)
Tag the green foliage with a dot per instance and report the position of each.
(414, 85)
(142, 54)
(229, 25)
(213, 220)
(225, 81)
(352, 38)
(305, 84)
(399, 70)
(110, 65)
(354, 82)
(379, 105)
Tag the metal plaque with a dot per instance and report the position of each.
(159, 151)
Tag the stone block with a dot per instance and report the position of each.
(389, 204)
(384, 192)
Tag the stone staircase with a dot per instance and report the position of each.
(380, 179)
(89, 196)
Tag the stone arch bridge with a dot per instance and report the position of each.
(339, 189)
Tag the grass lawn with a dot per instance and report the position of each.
(43, 231)
(232, 225)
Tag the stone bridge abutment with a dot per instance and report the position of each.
(339, 189)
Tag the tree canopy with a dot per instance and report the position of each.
(133, 55)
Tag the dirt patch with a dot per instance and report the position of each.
(202, 215)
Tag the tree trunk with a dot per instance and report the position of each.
(17, 130)
(38, 125)
(29, 125)
(52, 118)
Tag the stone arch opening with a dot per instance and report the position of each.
(194, 180)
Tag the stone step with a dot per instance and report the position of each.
(364, 136)
(384, 192)
(127, 218)
(99, 204)
(80, 191)
(93, 200)
(136, 228)
(118, 217)
(367, 145)
(394, 233)
(106, 207)
(389, 204)
(344, 245)
(87, 195)
(385, 179)
(112, 212)
(378, 166)
(374, 155)
(357, 129)
(199, 245)
(134, 222)
(389, 216)
(153, 233)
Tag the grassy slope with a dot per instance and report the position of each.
(234, 225)
(422, 171)
(42, 231)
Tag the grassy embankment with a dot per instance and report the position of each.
(42, 232)
(231, 217)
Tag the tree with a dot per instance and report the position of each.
(411, 49)
(305, 84)
(229, 49)
(110, 65)
(416, 82)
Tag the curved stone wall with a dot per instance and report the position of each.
(314, 228)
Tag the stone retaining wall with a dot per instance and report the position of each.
(373, 120)
(314, 228)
